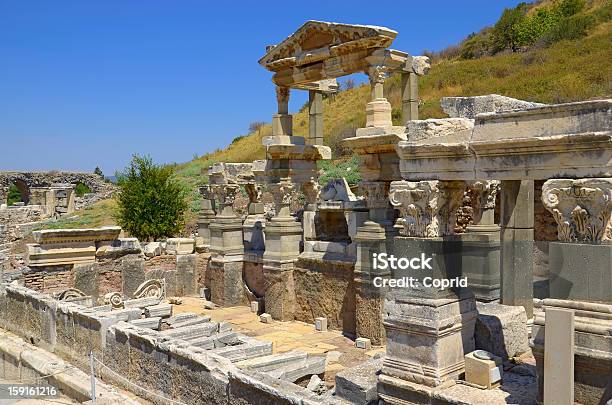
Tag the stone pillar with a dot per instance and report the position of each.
(372, 237)
(315, 114)
(312, 191)
(378, 110)
(428, 330)
(481, 243)
(207, 214)
(283, 238)
(410, 97)
(225, 266)
(3, 195)
(282, 123)
(255, 221)
(516, 221)
(581, 262)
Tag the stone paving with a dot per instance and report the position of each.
(340, 350)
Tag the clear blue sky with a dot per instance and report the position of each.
(86, 83)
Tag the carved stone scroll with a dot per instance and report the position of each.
(153, 288)
(429, 208)
(581, 208)
(115, 299)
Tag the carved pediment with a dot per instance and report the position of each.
(318, 40)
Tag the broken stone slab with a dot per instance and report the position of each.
(149, 323)
(126, 315)
(447, 129)
(181, 317)
(224, 327)
(265, 318)
(209, 305)
(316, 385)
(192, 331)
(191, 322)
(180, 246)
(216, 340)
(469, 107)
(117, 248)
(273, 361)
(251, 348)
(296, 370)
(501, 329)
(103, 308)
(152, 249)
(141, 302)
(358, 384)
(161, 310)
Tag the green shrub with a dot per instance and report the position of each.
(81, 189)
(14, 195)
(574, 27)
(349, 169)
(151, 203)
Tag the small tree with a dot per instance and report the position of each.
(98, 171)
(255, 126)
(151, 204)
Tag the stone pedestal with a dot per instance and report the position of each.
(369, 301)
(226, 230)
(480, 261)
(225, 281)
(378, 113)
(580, 271)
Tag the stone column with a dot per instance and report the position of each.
(481, 242)
(372, 237)
(255, 222)
(378, 110)
(516, 221)
(225, 266)
(580, 262)
(312, 191)
(410, 96)
(3, 195)
(282, 123)
(428, 330)
(283, 238)
(207, 214)
(315, 115)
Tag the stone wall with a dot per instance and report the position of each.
(156, 363)
(14, 221)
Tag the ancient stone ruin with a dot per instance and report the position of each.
(512, 197)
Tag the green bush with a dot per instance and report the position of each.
(151, 203)
(574, 27)
(13, 195)
(349, 169)
(81, 189)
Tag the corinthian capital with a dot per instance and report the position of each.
(485, 191)
(378, 74)
(226, 194)
(429, 208)
(282, 193)
(312, 190)
(581, 208)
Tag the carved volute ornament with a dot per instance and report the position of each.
(226, 194)
(429, 208)
(581, 208)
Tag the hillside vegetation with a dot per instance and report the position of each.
(550, 51)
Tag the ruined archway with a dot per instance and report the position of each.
(18, 191)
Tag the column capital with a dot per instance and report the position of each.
(255, 192)
(206, 191)
(312, 191)
(282, 98)
(485, 193)
(282, 193)
(429, 208)
(226, 194)
(582, 208)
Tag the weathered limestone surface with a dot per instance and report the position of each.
(469, 107)
(501, 330)
(358, 384)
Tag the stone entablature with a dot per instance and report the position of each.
(58, 247)
(563, 140)
(582, 208)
